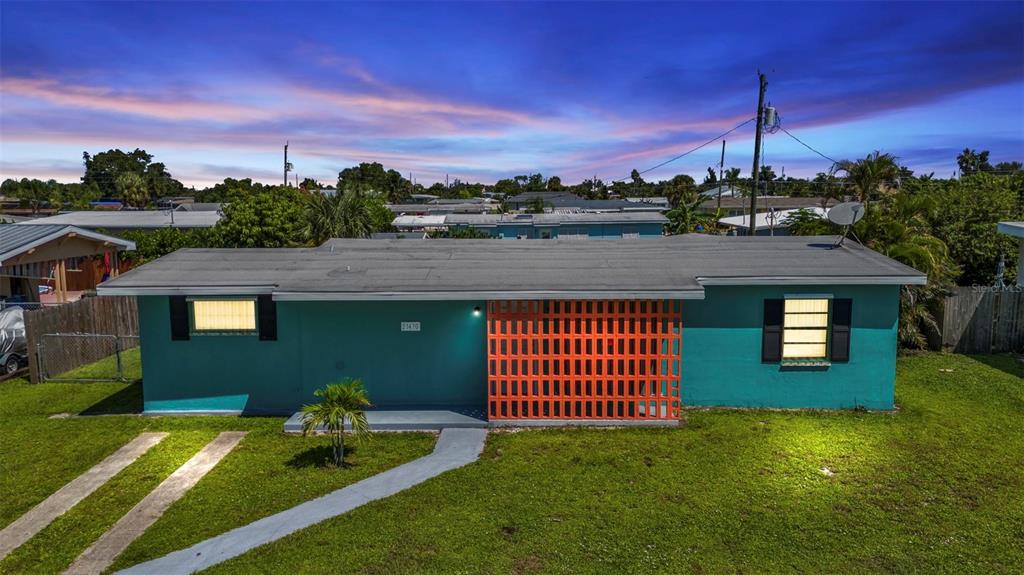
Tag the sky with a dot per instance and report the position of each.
(484, 91)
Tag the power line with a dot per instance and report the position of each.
(670, 160)
(804, 144)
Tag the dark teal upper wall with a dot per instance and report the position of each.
(319, 343)
(722, 352)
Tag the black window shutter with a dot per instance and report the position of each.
(267, 314)
(179, 318)
(771, 337)
(842, 314)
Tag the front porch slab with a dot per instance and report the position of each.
(408, 420)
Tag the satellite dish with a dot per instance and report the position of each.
(846, 214)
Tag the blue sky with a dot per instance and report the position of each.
(488, 90)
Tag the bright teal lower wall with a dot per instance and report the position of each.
(318, 343)
(721, 345)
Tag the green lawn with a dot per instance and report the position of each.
(268, 472)
(935, 487)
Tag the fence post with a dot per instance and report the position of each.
(40, 377)
(117, 351)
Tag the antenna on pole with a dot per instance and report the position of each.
(287, 166)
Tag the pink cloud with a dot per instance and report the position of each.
(110, 100)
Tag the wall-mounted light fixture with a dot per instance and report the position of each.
(476, 311)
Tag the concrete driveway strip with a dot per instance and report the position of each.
(105, 550)
(454, 448)
(37, 518)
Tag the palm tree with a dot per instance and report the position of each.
(686, 217)
(869, 173)
(341, 215)
(901, 231)
(132, 189)
(340, 402)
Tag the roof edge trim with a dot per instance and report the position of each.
(813, 280)
(488, 295)
(192, 290)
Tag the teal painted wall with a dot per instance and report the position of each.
(721, 345)
(318, 343)
(445, 363)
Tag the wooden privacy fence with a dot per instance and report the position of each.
(984, 320)
(93, 315)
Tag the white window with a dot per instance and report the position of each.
(224, 316)
(805, 329)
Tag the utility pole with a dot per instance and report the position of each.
(757, 152)
(721, 166)
(287, 166)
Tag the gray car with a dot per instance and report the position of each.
(13, 344)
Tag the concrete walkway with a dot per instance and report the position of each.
(37, 518)
(455, 448)
(406, 420)
(102, 553)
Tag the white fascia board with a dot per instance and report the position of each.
(171, 290)
(486, 295)
(813, 280)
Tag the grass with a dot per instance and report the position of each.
(106, 368)
(935, 487)
(268, 471)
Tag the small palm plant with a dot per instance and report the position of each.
(340, 402)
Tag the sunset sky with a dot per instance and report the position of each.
(486, 91)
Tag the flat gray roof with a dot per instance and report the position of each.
(667, 267)
(131, 219)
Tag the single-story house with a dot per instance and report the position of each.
(737, 206)
(1016, 229)
(545, 226)
(130, 220)
(770, 223)
(58, 257)
(535, 331)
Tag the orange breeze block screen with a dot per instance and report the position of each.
(589, 359)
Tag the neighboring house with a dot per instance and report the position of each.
(771, 223)
(726, 191)
(395, 236)
(199, 207)
(130, 220)
(524, 331)
(447, 208)
(58, 257)
(545, 226)
(1016, 229)
(567, 201)
(739, 206)
(656, 202)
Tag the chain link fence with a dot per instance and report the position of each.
(79, 357)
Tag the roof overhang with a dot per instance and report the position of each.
(401, 295)
(191, 290)
(488, 295)
(815, 280)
